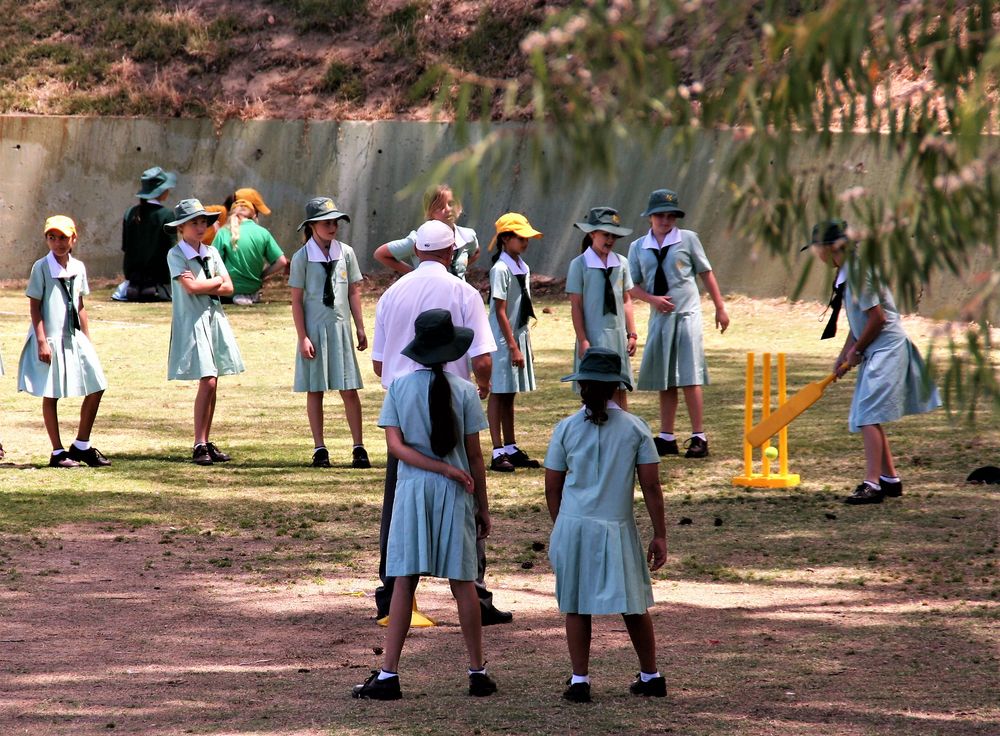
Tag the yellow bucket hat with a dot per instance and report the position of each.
(514, 222)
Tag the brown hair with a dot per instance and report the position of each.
(436, 197)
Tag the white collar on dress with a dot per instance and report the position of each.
(73, 267)
(315, 253)
(610, 405)
(671, 238)
(516, 267)
(592, 260)
(841, 275)
(190, 252)
(463, 234)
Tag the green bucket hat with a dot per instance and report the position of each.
(605, 219)
(827, 232)
(188, 209)
(436, 339)
(154, 182)
(663, 200)
(322, 208)
(600, 364)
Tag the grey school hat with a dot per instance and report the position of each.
(188, 209)
(600, 364)
(827, 232)
(605, 219)
(154, 182)
(322, 208)
(436, 339)
(663, 200)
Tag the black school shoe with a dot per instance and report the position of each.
(578, 693)
(360, 458)
(491, 616)
(655, 688)
(201, 456)
(519, 459)
(892, 490)
(321, 458)
(696, 447)
(92, 457)
(481, 685)
(62, 460)
(217, 455)
(865, 493)
(501, 464)
(376, 689)
(666, 447)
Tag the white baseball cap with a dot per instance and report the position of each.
(435, 235)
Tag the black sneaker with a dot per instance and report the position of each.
(892, 490)
(217, 455)
(501, 464)
(201, 456)
(376, 689)
(865, 493)
(481, 685)
(491, 616)
(696, 447)
(666, 447)
(578, 693)
(92, 457)
(321, 458)
(360, 459)
(655, 688)
(519, 459)
(62, 460)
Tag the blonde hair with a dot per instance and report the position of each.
(436, 197)
(241, 210)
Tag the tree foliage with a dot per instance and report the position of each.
(918, 78)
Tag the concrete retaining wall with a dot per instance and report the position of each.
(88, 168)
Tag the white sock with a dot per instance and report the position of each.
(318, 448)
(481, 671)
(498, 451)
(510, 449)
(668, 436)
(383, 675)
(647, 677)
(579, 678)
(876, 486)
(60, 451)
(81, 445)
(886, 478)
(700, 435)
(357, 446)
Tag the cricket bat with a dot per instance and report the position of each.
(784, 414)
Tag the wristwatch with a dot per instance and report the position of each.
(632, 335)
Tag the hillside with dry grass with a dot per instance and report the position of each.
(322, 59)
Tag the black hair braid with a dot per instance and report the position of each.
(588, 240)
(444, 430)
(595, 396)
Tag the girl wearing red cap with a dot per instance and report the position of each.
(58, 358)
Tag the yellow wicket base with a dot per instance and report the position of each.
(774, 480)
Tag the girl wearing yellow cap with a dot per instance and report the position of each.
(510, 310)
(58, 358)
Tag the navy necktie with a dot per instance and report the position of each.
(527, 311)
(835, 303)
(66, 282)
(660, 287)
(203, 260)
(328, 297)
(610, 305)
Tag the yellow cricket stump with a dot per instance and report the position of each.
(765, 478)
(417, 619)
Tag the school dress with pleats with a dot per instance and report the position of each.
(515, 291)
(596, 553)
(75, 369)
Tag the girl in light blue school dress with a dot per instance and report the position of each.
(326, 294)
(595, 550)
(58, 359)
(432, 421)
(598, 284)
(510, 311)
(202, 344)
(664, 264)
(891, 379)
(439, 204)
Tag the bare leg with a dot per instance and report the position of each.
(875, 445)
(507, 418)
(204, 408)
(50, 416)
(314, 410)
(668, 410)
(578, 628)
(352, 407)
(693, 399)
(493, 415)
(888, 465)
(640, 631)
(211, 409)
(88, 414)
(399, 620)
(470, 619)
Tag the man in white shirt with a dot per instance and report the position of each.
(430, 286)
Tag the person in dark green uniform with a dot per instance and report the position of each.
(144, 242)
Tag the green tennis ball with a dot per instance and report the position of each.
(771, 453)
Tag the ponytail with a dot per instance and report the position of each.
(307, 232)
(444, 430)
(595, 396)
(587, 242)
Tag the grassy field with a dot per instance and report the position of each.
(158, 597)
